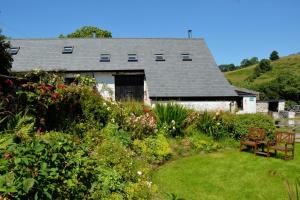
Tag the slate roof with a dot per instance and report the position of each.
(172, 78)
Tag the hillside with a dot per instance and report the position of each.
(289, 63)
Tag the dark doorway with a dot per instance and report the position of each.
(129, 87)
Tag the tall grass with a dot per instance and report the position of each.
(171, 114)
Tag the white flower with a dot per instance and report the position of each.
(113, 120)
(218, 123)
(173, 121)
(104, 104)
(148, 183)
(139, 173)
(173, 127)
(108, 108)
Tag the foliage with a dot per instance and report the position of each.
(247, 62)
(87, 32)
(241, 124)
(5, 57)
(22, 125)
(95, 109)
(285, 86)
(263, 67)
(86, 81)
(294, 194)
(140, 126)
(201, 142)
(154, 148)
(227, 67)
(215, 125)
(171, 116)
(274, 56)
(173, 196)
(40, 170)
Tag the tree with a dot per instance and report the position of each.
(254, 60)
(274, 55)
(263, 66)
(5, 57)
(245, 63)
(87, 32)
(227, 67)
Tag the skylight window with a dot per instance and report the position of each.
(132, 58)
(13, 50)
(105, 58)
(159, 57)
(67, 50)
(186, 57)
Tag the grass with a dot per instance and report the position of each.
(289, 63)
(227, 175)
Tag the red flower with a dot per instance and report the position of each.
(61, 86)
(146, 110)
(9, 82)
(7, 156)
(54, 95)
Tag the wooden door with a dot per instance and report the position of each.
(129, 87)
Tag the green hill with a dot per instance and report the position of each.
(285, 64)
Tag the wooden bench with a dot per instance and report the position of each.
(284, 141)
(253, 138)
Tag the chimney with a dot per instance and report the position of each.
(190, 35)
(94, 35)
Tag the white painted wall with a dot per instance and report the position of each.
(249, 105)
(105, 84)
(226, 106)
(281, 105)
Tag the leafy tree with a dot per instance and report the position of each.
(245, 62)
(227, 67)
(5, 57)
(285, 86)
(274, 56)
(87, 32)
(263, 66)
(254, 60)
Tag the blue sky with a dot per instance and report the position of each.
(233, 29)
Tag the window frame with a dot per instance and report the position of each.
(186, 57)
(67, 49)
(161, 55)
(105, 55)
(130, 55)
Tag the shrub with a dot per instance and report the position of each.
(140, 126)
(171, 116)
(95, 109)
(201, 142)
(114, 133)
(241, 124)
(41, 170)
(216, 125)
(154, 148)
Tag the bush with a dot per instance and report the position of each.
(201, 142)
(41, 170)
(216, 125)
(241, 124)
(154, 149)
(140, 126)
(171, 116)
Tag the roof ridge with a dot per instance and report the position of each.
(106, 39)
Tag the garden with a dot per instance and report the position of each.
(67, 142)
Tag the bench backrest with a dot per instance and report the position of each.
(256, 134)
(285, 137)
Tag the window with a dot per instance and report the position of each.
(159, 57)
(105, 58)
(13, 50)
(186, 57)
(132, 58)
(67, 49)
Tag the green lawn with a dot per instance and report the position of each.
(227, 175)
